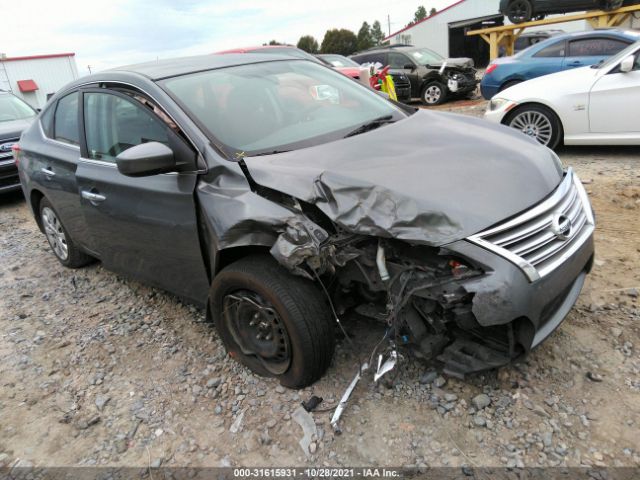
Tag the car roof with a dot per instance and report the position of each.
(258, 47)
(181, 66)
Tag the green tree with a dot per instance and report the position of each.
(343, 42)
(364, 37)
(308, 44)
(433, 11)
(376, 33)
(274, 42)
(421, 14)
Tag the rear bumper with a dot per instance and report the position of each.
(9, 179)
(489, 91)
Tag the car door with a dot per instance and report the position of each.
(545, 60)
(613, 101)
(400, 63)
(54, 162)
(582, 52)
(145, 227)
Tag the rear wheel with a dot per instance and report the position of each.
(538, 122)
(520, 11)
(434, 93)
(276, 324)
(609, 5)
(67, 253)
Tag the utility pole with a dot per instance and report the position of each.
(89, 68)
(389, 23)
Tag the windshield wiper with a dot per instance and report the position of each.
(372, 125)
(273, 152)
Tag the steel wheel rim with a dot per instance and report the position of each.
(432, 94)
(258, 330)
(55, 233)
(519, 10)
(534, 124)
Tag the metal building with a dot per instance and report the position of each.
(35, 78)
(445, 31)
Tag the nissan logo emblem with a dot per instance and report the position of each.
(561, 226)
(6, 147)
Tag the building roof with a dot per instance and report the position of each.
(37, 57)
(426, 19)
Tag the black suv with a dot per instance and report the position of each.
(433, 78)
(520, 11)
(15, 116)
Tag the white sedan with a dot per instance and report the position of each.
(597, 105)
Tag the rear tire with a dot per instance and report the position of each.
(434, 93)
(520, 11)
(67, 253)
(539, 122)
(276, 324)
(609, 5)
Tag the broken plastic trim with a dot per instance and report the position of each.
(345, 399)
(387, 366)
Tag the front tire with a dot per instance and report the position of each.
(538, 122)
(67, 253)
(434, 93)
(520, 11)
(276, 324)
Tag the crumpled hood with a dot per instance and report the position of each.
(13, 128)
(459, 63)
(432, 178)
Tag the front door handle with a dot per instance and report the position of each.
(94, 198)
(48, 172)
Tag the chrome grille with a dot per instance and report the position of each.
(544, 237)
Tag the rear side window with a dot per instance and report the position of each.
(555, 50)
(46, 120)
(370, 58)
(114, 124)
(66, 120)
(595, 47)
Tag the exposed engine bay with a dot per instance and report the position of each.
(417, 292)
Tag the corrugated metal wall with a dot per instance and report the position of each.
(50, 74)
(434, 33)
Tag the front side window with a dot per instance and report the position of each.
(114, 124)
(398, 60)
(556, 50)
(273, 106)
(424, 56)
(595, 47)
(12, 108)
(65, 122)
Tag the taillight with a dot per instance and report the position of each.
(16, 150)
(491, 68)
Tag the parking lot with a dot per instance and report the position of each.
(96, 369)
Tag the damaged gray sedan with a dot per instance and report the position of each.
(282, 195)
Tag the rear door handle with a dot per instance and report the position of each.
(48, 172)
(94, 198)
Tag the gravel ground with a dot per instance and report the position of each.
(96, 369)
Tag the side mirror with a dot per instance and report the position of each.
(146, 159)
(627, 64)
(409, 66)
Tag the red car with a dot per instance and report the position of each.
(296, 53)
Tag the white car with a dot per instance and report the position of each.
(597, 105)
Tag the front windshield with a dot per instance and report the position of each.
(339, 61)
(424, 56)
(630, 50)
(274, 106)
(12, 108)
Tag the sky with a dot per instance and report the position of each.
(110, 33)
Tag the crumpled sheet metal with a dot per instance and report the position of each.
(300, 242)
(424, 186)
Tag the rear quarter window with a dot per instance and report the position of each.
(65, 127)
(46, 120)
